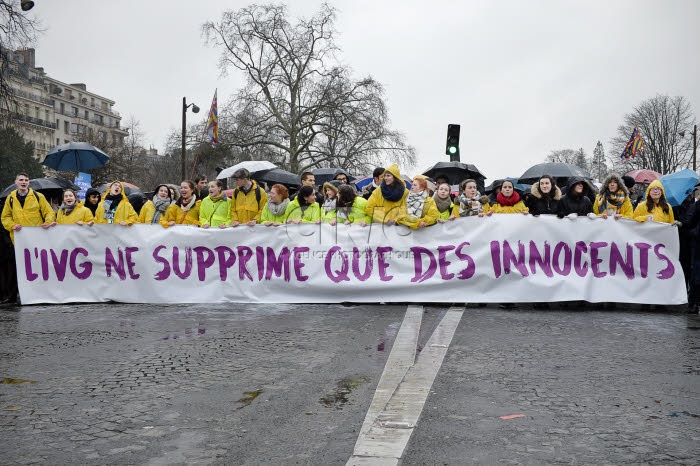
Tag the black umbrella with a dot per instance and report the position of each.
(75, 156)
(43, 185)
(322, 175)
(456, 172)
(554, 169)
(277, 175)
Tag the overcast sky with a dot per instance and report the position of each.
(523, 78)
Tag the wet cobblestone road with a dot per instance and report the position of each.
(283, 384)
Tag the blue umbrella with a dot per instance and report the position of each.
(678, 185)
(75, 156)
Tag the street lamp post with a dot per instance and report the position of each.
(195, 109)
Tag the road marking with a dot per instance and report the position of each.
(390, 421)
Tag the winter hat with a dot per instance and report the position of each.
(629, 181)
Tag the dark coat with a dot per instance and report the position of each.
(572, 204)
(541, 204)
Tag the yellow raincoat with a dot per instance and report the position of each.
(174, 213)
(215, 213)
(36, 211)
(429, 215)
(80, 213)
(381, 210)
(310, 215)
(641, 212)
(124, 213)
(245, 207)
(357, 213)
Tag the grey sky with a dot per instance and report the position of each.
(523, 78)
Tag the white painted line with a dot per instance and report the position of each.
(390, 431)
(401, 358)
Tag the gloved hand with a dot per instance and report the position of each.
(572, 216)
(591, 215)
(676, 223)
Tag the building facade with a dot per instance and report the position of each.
(49, 112)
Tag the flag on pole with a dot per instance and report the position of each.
(212, 129)
(635, 144)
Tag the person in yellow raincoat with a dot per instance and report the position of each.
(277, 207)
(185, 211)
(447, 209)
(72, 211)
(304, 208)
(508, 201)
(349, 208)
(388, 202)
(25, 207)
(215, 210)
(420, 210)
(613, 199)
(247, 200)
(654, 207)
(153, 211)
(115, 208)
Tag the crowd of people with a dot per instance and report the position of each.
(385, 200)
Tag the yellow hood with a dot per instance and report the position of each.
(655, 184)
(394, 170)
(106, 193)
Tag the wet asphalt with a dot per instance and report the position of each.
(291, 384)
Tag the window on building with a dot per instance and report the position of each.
(92, 101)
(58, 141)
(37, 115)
(101, 136)
(66, 127)
(73, 128)
(46, 113)
(63, 108)
(86, 115)
(75, 111)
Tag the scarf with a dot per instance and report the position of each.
(112, 210)
(216, 199)
(67, 209)
(442, 204)
(508, 201)
(415, 203)
(276, 209)
(469, 206)
(393, 192)
(330, 204)
(161, 205)
(189, 205)
(614, 199)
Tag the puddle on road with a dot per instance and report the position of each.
(247, 400)
(7, 380)
(339, 397)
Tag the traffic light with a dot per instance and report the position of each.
(452, 145)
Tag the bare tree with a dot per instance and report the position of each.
(294, 87)
(661, 119)
(574, 157)
(18, 29)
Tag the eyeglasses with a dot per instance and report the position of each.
(655, 189)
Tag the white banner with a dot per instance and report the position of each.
(503, 258)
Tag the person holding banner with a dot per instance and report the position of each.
(247, 201)
(92, 200)
(545, 197)
(471, 202)
(420, 210)
(613, 199)
(304, 208)
(277, 207)
(215, 210)
(185, 211)
(655, 207)
(388, 201)
(508, 201)
(153, 210)
(576, 201)
(447, 210)
(330, 198)
(350, 208)
(115, 207)
(72, 211)
(25, 207)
